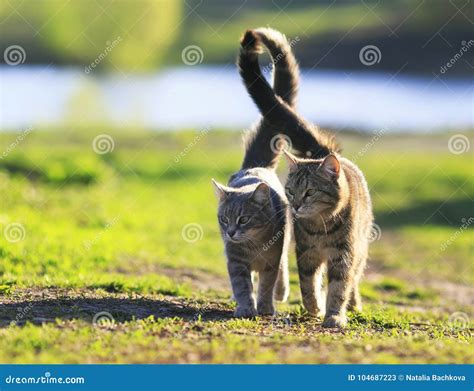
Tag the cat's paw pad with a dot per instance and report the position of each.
(245, 312)
(335, 321)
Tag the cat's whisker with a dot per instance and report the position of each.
(324, 224)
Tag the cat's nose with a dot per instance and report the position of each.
(295, 209)
(231, 233)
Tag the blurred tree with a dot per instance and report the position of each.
(416, 35)
(127, 34)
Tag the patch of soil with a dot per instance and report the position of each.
(47, 304)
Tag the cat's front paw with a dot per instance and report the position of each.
(314, 311)
(245, 312)
(335, 321)
(265, 309)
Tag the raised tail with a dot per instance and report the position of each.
(286, 73)
(276, 109)
(262, 143)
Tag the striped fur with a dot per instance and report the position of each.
(329, 198)
(253, 213)
(277, 113)
(331, 205)
(285, 80)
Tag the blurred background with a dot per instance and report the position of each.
(115, 114)
(159, 64)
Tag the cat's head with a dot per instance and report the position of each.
(244, 213)
(314, 186)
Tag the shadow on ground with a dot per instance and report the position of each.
(120, 309)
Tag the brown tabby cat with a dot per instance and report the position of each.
(330, 204)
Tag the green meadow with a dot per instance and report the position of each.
(116, 257)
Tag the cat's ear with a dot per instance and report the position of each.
(291, 160)
(331, 166)
(261, 194)
(220, 190)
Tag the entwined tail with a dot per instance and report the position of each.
(276, 108)
(261, 144)
(286, 72)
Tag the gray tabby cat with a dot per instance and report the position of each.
(330, 203)
(253, 213)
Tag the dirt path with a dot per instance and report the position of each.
(45, 305)
(39, 305)
(448, 291)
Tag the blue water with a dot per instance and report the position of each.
(194, 97)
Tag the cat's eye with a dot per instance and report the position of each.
(243, 220)
(224, 220)
(289, 192)
(310, 193)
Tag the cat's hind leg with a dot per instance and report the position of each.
(282, 286)
(266, 283)
(355, 300)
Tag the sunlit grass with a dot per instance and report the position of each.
(111, 225)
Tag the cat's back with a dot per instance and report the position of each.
(254, 176)
(359, 190)
(354, 176)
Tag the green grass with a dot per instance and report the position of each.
(105, 233)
